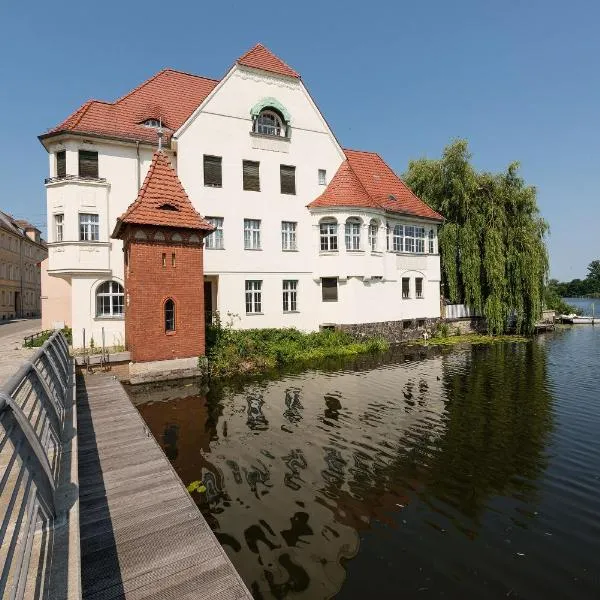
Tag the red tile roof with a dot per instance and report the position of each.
(262, 58)
(162, 201)
(169, 95)
(365, 180)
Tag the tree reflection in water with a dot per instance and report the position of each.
(310, 460)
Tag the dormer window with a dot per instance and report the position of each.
(270, 122)
(152, 123)
(167, 207)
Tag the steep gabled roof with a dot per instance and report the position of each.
(365, 180)
(162, 201)
(262, 58)
(170, 95)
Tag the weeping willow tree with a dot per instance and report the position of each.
(492, 243)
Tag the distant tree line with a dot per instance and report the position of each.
(589, 286)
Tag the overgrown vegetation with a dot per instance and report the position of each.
(234, 352)
(492, 243)
(470, 338)
(38, 341)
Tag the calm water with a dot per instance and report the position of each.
(468, 473)
(585, 306)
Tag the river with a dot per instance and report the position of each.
(467, 472)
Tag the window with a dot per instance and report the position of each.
(173, 259)
(109, 299)
(251, 234)
(322, 177)
(420, 240)
(419, 287)
(409, 238)
(89, 228)
(88, 164)
(288, 235)
(431, 241)
(58, 227)
(287, 175)
(253, 297)
(61, 163)
(214, 241)
(405, 287)
(152, 123)
(398, 238)
(328, 235)
(269, 122)
(290, 295)
(169, 315)
(329, 289)
(373, 228)
(352, 234)
(164, 260)
(251, 175)
(213, 173)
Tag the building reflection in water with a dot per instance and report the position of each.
(295, 468)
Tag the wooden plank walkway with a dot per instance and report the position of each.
(142, 536)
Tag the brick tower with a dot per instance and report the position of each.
(163, 237)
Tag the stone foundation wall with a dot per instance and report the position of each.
(397, 332)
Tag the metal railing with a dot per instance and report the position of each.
(74, 178)
(38, 476)
(29, 340)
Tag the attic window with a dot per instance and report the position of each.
(151, 123)
(167, 207)
(392, 197)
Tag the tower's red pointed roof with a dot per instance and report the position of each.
(365, 180)
(260, 57)
(162, 201)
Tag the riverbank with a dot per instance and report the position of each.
(470, 338)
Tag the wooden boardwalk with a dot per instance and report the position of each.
(142, 536)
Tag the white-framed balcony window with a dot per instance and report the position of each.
(290, 295)
(214, 241)
(328, 235)
(288, 235)
(418, 287)
(352, 234)
(110, 299)
(405, 288)
(409, 238)
(89, 227)
(251, 234)
(59, 221)
(373, 229)
(420, 240)
(270, 122)
(322, 177)
(253, 297)
(431, 240)
(398, 238)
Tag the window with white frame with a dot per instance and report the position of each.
(290, 295)
(406, 287)
(288, 235)
(269, 122)
(110, 299)
(373, 229)
(420, 240)
(251, 234)
(328, 236)
(352, 234)
(253, 297)
(419, 287)
(214, 241)
(322, 177)
(58, 227)
(398, 238)
(431, 241)
(409, 238)
(89, 227)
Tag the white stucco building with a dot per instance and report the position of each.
(308, 234)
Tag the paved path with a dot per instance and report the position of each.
(12, 353)
(142, 536)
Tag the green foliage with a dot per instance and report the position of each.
(470, 338)
(492, 243)
(590, 286)
(196, 486)
(553, 299)
(39, 341)
(235, 351)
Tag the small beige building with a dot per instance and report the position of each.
(21, 253)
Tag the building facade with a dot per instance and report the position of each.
(21, 253)
(307, 234)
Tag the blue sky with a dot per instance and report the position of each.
(518, 78)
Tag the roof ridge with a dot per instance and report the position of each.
(282, 69)
(191, 74)
(140, 86)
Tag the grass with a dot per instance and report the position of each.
(45, 335)
(471, 338)
(239, 352)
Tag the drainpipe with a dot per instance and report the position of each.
(137, 151)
